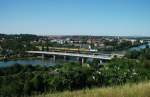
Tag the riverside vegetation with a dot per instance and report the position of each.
(26, 80)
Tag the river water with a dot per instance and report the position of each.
(27, 61)
(140, 47)
(43, 62)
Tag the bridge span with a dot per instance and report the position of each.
(103, 57)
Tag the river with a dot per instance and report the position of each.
(27, 62)
(43, 62)
(140, 47)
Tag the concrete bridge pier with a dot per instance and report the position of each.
(64, 58)
(82, 60)
(54, 58)
(42, 56)
(100, 61)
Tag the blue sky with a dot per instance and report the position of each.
(75, 17)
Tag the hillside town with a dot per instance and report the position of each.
(10, 46)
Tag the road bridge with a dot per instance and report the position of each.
(101, 56)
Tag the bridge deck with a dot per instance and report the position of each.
(104, 57)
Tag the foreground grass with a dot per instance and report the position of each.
(128, 90)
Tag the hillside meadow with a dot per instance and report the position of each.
(127, 90)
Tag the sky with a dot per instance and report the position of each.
(75, 17)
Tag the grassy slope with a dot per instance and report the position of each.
(134, 90)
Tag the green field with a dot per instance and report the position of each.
(128, 90)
